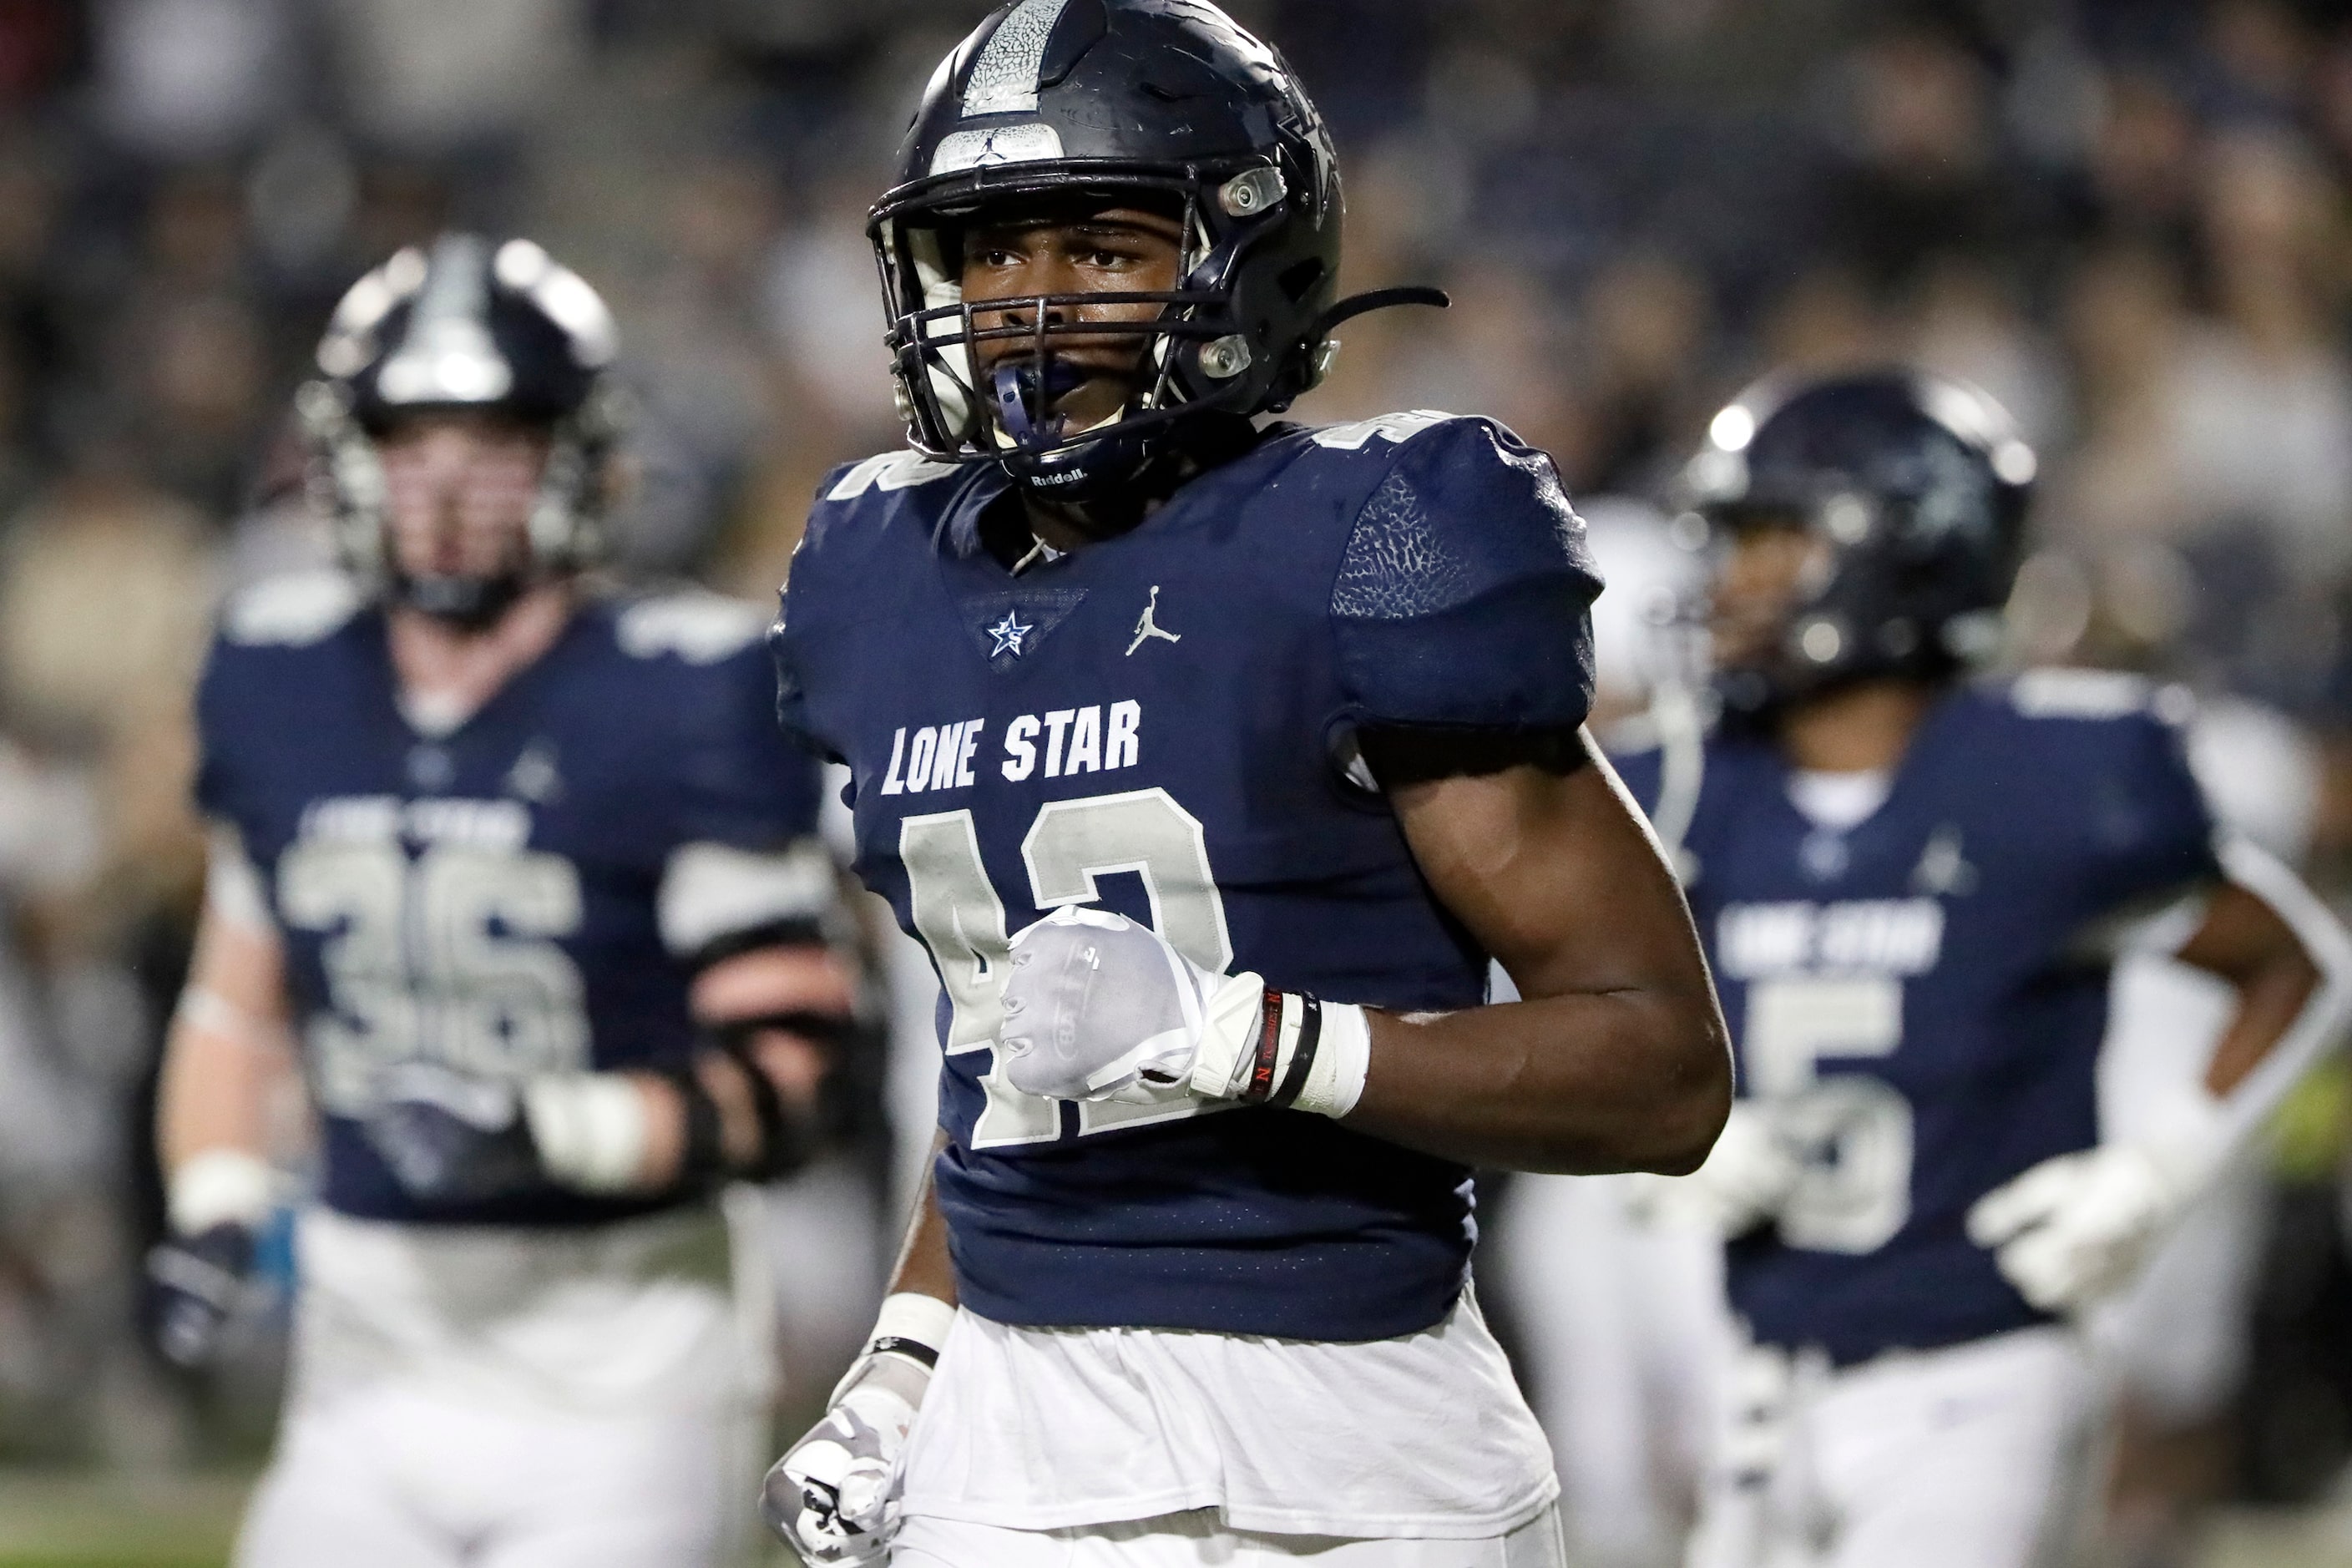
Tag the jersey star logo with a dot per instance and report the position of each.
(1149, 628)
(534, 776)
(1009, 634)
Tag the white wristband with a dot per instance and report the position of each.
(206, 1011)
(1335, 1078)
(911, 1315)
(591, 1130)
(220, 1186)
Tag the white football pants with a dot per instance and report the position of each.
(402, 1479)
(1198, 1540)
(1961, 1457)
(472, 1397)
(1624, 1341)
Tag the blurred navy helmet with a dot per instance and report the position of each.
(1163, 104)
(1915, 484)
(476, 327)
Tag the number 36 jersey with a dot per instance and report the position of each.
(1155, 724)
(1920, 998)
(524, 894)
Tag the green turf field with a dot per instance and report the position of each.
(52, 1520)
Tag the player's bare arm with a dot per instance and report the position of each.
(802, 982)
(1616, 1057)
(2076, 1227)
(827, 1488)
(227, 1057)
(2245, 942)
(228, 1045)
(923, 1263)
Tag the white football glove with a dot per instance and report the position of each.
(1100, 1007)
(1747, 1176)
(2077, 1228)
(834, 1495)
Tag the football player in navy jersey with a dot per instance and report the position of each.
(1914, 887)
(523, 877)
(1212, 759)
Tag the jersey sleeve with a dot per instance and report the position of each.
(791, 704)
(1462, 598)
(715, 900)
(2130, 800)
(789, 648)
(741, 783)
(219, 710)
(2151, 831)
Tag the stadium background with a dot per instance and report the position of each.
(2128, 218)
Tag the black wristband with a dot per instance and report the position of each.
(1302, 1055)
(784, 1142)
(705, 1155)
(898, 1344)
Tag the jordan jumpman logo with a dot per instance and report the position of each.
(1148, 627)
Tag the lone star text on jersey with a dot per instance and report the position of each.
(1073, 740)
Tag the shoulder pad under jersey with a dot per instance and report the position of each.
(695, 626)
(291, 611)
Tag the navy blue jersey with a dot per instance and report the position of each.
(492, 900)
(1155, 724)
(1922, 997)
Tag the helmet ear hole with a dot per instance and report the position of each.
(1298, 279)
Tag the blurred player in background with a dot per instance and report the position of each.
(523, 876)
(2174, 1346)
(1304, 707)
(1913, 888)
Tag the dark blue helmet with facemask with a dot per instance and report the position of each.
(1163, 104)
(466, 325)
(1915, 486)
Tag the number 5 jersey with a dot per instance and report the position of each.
(1921, 996)
(526, 894)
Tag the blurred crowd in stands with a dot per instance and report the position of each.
(2129, 219)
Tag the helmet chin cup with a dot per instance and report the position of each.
(1084, 472)
(1016, 389)
(1034, 447)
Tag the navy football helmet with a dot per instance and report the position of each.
(1917, 485)
(1165, 103)
(476, 327)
